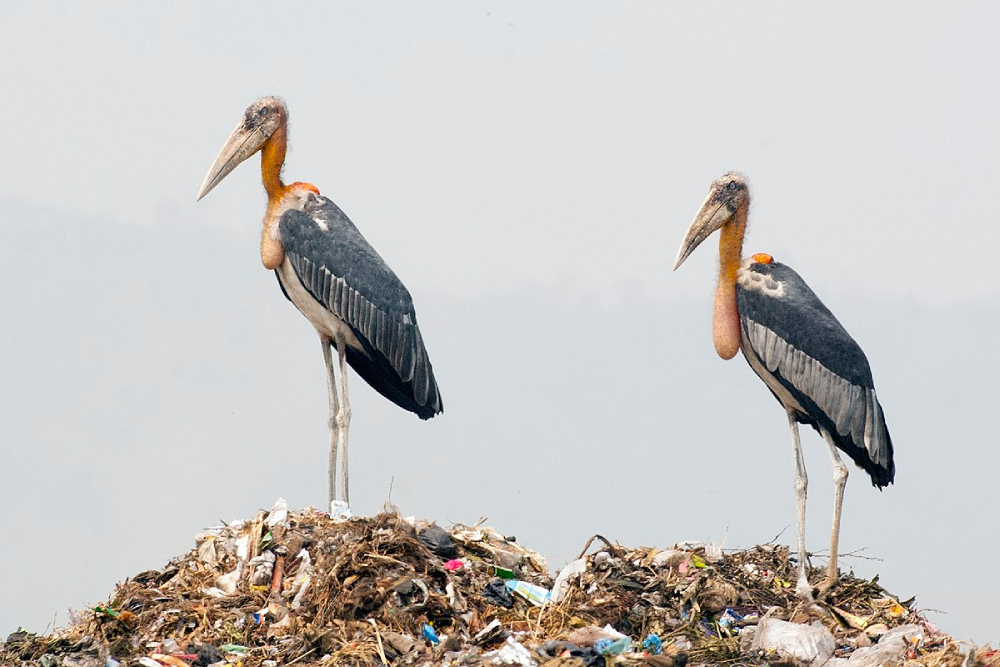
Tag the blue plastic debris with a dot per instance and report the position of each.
(617, 647)
(729, 619)
(652, 644)
(430, 635)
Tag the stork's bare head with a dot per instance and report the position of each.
(727, 195)
(260, 121)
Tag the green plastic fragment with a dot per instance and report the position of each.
(497, 571)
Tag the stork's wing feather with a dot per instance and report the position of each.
(341, 270)
(802, 346)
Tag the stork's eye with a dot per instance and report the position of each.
(731, 185)
(263, 112)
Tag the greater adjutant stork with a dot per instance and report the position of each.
(337, 280)
(801, 352)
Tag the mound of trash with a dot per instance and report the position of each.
(306, 588)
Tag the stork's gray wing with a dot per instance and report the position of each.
(800, 345)
(341, 270)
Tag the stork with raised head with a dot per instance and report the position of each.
(801, 352)
(327, 269)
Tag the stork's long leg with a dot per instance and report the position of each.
(839, 482)
(343, 420)
(333, 423)
(802, 586)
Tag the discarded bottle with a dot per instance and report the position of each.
(497, 571)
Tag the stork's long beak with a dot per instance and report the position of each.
(242, 143)
(712, 216)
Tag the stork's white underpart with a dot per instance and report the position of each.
(325, 322)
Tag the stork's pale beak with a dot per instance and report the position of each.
(242, 143)
(714, 213)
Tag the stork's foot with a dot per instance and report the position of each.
(803, 590)
(339, 509)
(823, 590)
(821, 593)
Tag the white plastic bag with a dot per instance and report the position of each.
(806, 645)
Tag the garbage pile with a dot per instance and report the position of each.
(306, 588)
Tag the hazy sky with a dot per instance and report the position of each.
(529, 170)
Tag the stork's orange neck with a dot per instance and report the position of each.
(280, 197)
(725, 316)
(272, 252)
(272, 159)
(731, 249)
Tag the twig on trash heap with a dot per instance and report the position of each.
(607, 543)
(378, 638)
(292, 662)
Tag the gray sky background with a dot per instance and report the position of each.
(529, 171)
